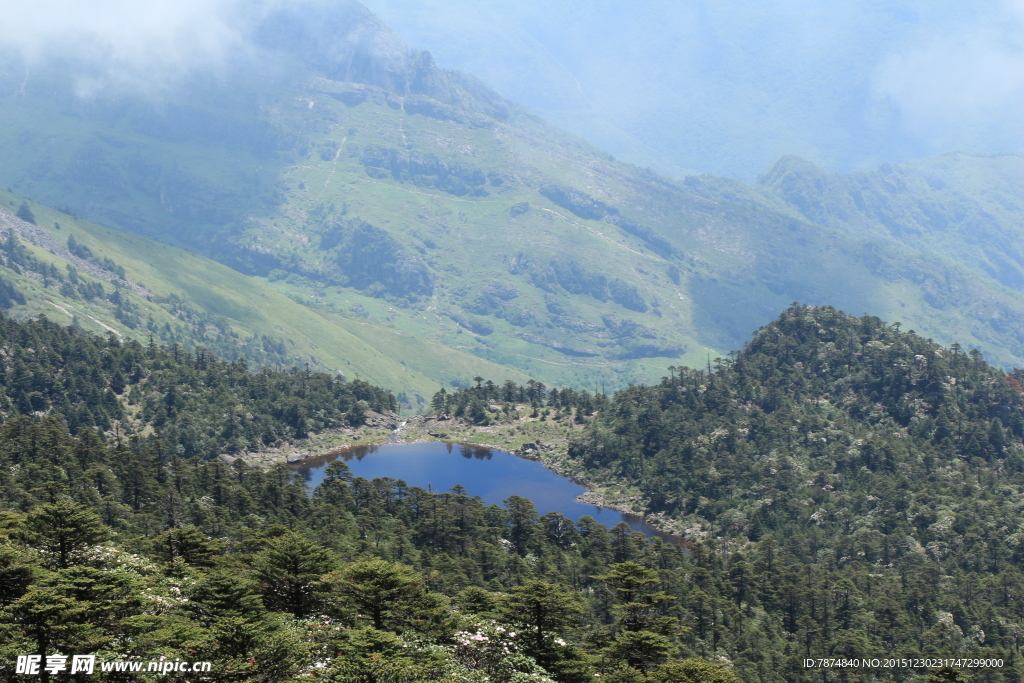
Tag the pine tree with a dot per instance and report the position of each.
(384, 590)
(545, 608)
(291, 572)
(62, 531)
(25, 213)
(694, 671)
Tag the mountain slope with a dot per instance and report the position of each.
(137, 288)
(357, 176)
(969, 209)
(820, 411)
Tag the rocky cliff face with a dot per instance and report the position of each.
(345, 42)
(342, 41)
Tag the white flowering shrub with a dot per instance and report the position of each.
(491, 648)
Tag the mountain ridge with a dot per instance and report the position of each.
(949, 205)
(463, 219)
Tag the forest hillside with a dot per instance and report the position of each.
(863, 503)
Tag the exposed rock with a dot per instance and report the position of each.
(388, 420)
(344, 42)
(40, 238)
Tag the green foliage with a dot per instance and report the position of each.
(79, 250)
(848, 464)
(17, 572)
(52, 621)
(354, 229)
(372, 655)
(187, 544)
(366, 256)
(634, 584)
(244, 566)
(346, 219)
(376, 579)
(641, 650)
(190, 404)
(9, 296)
(694, 671)
(947, 674)
(290, 571)
(387, 592)
(25, 213)
(62, 531)
(543, 607)
(955, 205)
(142, 288)
(469, 402)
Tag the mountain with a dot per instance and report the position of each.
(821, 409)
(333, 165)
(728, 87)
(104, 281)
(844, 486)
(967, 209)
(840, 483)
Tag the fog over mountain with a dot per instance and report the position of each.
(728, 87)
(724, 87)
(238, 236)
(306, 144)
(108, 43)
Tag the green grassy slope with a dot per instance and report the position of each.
(431, 207)
(192, 300)
(735, 264)
(966, 208)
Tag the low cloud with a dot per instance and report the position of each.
(961, 88)
(712, 86)
(126, 43)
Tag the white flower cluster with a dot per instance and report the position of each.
(465, 638)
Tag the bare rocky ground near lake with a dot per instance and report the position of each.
(537, 438)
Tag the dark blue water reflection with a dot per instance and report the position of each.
(491, 474)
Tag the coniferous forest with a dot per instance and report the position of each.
(844, 489)
(241, 239)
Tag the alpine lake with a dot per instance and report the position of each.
(491, 474)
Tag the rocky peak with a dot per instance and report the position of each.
(343, 41)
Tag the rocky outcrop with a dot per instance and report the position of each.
(381, 420)
(344, 42)
(9, 223)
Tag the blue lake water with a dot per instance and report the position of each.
(491, 474)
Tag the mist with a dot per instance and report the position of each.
(961, 88)
(730, 86)
(723, 87)
(122, 44)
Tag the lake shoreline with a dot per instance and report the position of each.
(385, 429)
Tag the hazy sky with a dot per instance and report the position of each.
(154, 33)
(725, 86)
(123, 43)
(730, 85)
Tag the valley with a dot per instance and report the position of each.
(221, 283)
(402, 203)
